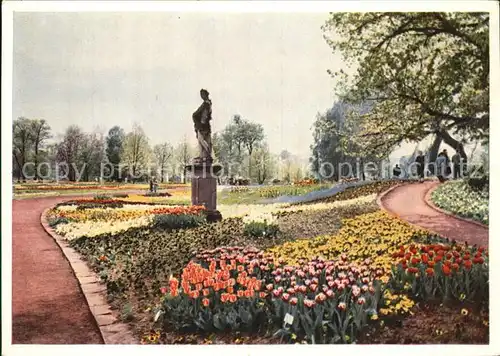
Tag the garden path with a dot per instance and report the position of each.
(48, 306)
(408, 202)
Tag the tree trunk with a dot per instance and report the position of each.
(433, 151)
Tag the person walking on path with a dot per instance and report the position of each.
(420, 159)
(456, 160)
(441, 166)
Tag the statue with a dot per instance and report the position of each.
(201, 119)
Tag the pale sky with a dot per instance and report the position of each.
(98, 70)
(102, 69)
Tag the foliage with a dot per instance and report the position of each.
(290, 190)
(333, 142)
(237, 142)
(425, 73)
(172, 222)
(157, 194)
(136, 151)
(163, 153)
(114, 149)
(261, 227)
(459, 198)
(478, 184)
(29, 138)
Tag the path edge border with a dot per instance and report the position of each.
(430, 204)
(113, 331)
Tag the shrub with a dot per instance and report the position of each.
(54, 222)
(478, 184)
(157, 194)
(261, 229)
(102, 197)
(120, 195)
(172, 222)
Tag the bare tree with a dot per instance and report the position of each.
(22, 139)
(69, 151)
(92, 154)
(162, 152)
(136, 150)
(184, 156)
(40, 133)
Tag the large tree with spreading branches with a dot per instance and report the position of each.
(425, 73)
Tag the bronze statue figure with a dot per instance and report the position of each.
(201, 119)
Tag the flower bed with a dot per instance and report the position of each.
(90, 218)
(376, 187)
(459, 198)
(375, 235)
(239, 289)
(327, 299)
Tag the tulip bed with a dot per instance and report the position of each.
(461, 199)
(324, 290)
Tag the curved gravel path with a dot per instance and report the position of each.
(48, 306)
(408, 202)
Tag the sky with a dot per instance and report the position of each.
(98, 70)
(103, 69)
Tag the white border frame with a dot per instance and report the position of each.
(9, 7)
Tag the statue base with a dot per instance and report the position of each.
(204, 186)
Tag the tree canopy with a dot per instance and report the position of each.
(425, 73)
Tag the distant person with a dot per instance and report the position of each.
(447, 171)
(396, 172)
(155, 184)
(420, 160)
(151, 184)
(441, 166)
(456, 161)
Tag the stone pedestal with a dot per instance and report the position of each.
(204, 187)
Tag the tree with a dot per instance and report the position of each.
(69, 152)
(184, 154)
(162, 152)
(425, 73)
(114, 149)
(238, 139)
(335, 141)
(40, 131)
(253, 134)
(136, 151)
(92, 154)
(264, 163)
(22, 138)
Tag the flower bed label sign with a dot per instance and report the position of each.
(288, 319)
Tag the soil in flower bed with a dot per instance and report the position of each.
(433, 324)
